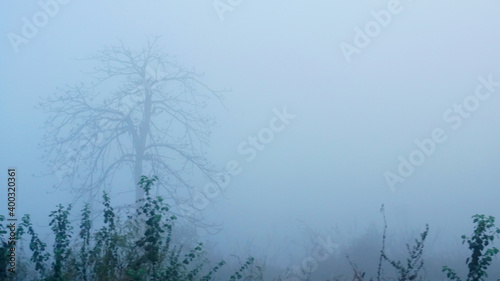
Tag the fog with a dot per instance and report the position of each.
(348, 113)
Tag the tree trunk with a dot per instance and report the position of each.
(139, 192)
(142, 138)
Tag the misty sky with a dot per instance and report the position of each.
(354, 114)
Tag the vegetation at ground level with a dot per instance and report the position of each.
(141, 247)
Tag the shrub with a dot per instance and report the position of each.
(139, 249)
(481, 256)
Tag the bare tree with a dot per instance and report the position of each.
(142, 112)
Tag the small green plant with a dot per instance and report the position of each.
(414, 262)
(239, 274)
(62, 229)
(39, 257)
(157, 228)
(481, 257)
(104, 255)
(84, 235)
(155, 258)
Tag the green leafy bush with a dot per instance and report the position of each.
(481, 256)
(139, 249)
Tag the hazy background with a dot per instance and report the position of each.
(326, 169)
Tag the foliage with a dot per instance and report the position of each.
(84, 235)
(4, 248)
(414, 262)
(104, 255)
(408, 271)
(62, 229)
(239, 274)
(481, 257)
(39, 256)
(140, 249)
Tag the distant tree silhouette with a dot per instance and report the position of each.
(143, 112)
